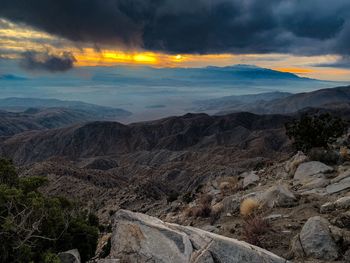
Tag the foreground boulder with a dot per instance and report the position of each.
(141, 238)
(316, 241)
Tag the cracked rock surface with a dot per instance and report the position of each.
(141, 238)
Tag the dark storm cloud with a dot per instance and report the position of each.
(343, 62)
(45, 61)
(307, 27)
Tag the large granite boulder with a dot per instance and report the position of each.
(141, 238)
(316, 239)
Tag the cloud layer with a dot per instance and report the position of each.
(300, 27)
(47, 61)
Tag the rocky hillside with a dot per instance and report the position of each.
(35, 119)
(297, 209)
(305, 200)
(213, 180)
(194, 131)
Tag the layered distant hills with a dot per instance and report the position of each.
(152, 93)
(23, 114)
(278, 102)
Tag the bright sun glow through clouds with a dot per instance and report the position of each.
(16, 39)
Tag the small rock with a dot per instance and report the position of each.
(70, 256)
(343, 203)
(327, 207)
(337, 187)
(342, 220)
(316, 239)
(278, 196)
(250, 179)
(231, 204)
(306, 171)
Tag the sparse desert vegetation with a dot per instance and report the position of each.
(249, 207)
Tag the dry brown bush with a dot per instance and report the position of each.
(203, 209)
(228, 185)
(254, 229)
(249, 206)
(205, 199)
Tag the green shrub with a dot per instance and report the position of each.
(8, 174)
(315, 131)
(93, 220)
(34, 227)
(49, 257)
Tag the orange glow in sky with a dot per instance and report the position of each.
(295, 70)
(16, 39)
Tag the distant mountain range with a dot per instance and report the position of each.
(112, 138)
(22, 104)
(236, 74)
(278, 102)
(172, 133)
(141, 89)
(11, 77)
(23, 114)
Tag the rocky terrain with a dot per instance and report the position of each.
(204, 182)
(191, 131)
(297, 209)
(138, 166)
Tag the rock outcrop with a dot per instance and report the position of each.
(310, 170)
(142, 238)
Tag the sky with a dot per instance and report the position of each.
(310, 38)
